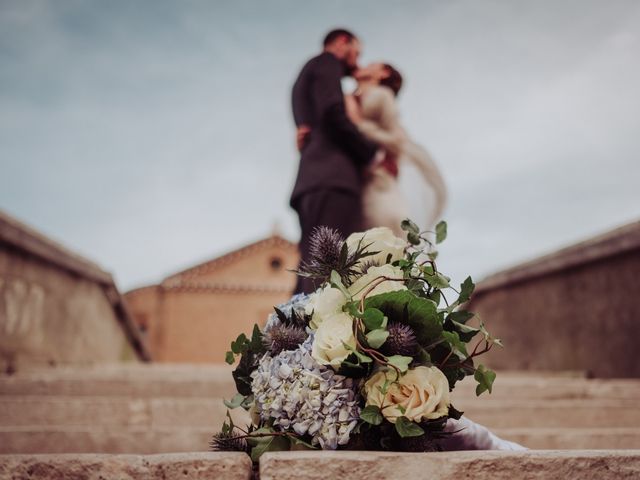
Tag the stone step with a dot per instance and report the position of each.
(142, 440)
(219, 466)
(601, 465)
(168, 380)
(36, 410)
(141, 380)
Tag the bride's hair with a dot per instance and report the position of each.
(393, 81)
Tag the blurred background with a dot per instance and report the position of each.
(149, 136)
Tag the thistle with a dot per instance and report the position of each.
(284, 337)
(401, 340)
(328, 252)
(227, 442)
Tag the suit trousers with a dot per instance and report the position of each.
(337, 209)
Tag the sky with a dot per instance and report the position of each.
(151, 135)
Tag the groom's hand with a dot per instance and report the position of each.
(302, 136)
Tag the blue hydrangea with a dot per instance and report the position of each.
(303, 396)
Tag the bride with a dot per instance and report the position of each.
(406, 183)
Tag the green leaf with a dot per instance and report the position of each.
(405, 307)
(466, 289)
(371, 414)
(229, 357)
(298, 441)
(441, 231)
(373, 318)
(461, 316)
(336, 282)
(240, 345)
(413, 238)
(375, 338)
(456, 344)
(437, 280)
(269, 444)
(432, 255)
(408, 226)
(235, 402)
(256, 344)
(485, 378)
(406, 428)
(401, 362)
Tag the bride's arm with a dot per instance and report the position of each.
(386, 129)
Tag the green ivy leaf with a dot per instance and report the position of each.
(456, 344)
(461, 316)
(401, 362)
(235, 402)
(240, 345)
(371, 414)
(466, 289)
(373, 318)
(256, 345)
(441, 231)
(413, 238)
(485, 378)
(408, 226)
(375, 338)
(269, 444)
(406, 428)
(437, 280)
(229, 357)
(405, 307)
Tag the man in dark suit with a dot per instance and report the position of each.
(333, 152)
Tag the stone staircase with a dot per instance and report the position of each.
(157, 409)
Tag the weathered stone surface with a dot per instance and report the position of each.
(575, 309)
(586, 465)
(139, 379)
(175, 439)
(57, 307)
(210, 466)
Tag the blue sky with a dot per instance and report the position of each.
(149, 135)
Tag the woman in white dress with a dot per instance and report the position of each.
(407, 182)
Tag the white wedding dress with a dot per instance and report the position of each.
(419, 192)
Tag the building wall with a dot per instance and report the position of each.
(49, 316)
(586, 318)
(194, 315)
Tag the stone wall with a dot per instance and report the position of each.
(57, 308)
(576, 309)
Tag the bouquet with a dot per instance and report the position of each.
(368, 361)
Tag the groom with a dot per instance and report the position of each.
(333, 151)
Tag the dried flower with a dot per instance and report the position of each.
(401, 340)
(227, 442)
(283, 337)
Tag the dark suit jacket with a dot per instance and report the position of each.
(336, 151)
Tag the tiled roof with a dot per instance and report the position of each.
(215, 263)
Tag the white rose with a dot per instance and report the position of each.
(366, 281)
(420, 394)
(331, 336)
(323, 303)
(382, 240)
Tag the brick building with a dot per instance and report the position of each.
(193, 315)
